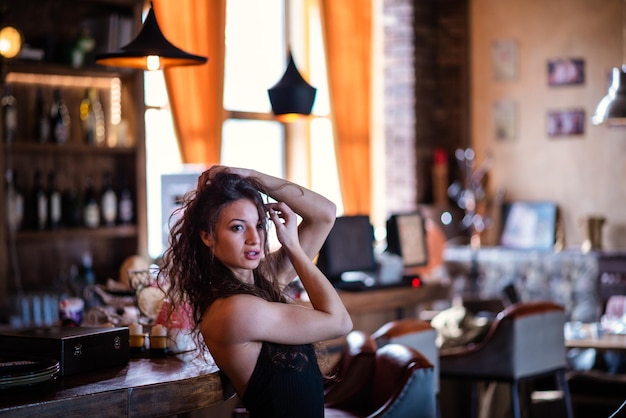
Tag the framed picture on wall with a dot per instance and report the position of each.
(566, 71)
(529, 225)
(504, 60)
(505, 120)
(565, 122)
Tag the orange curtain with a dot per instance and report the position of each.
(347, 36)
(195, 93)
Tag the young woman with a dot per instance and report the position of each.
(219, 263)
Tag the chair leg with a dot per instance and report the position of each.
(473, 399)
(564, 387)
(515, 403)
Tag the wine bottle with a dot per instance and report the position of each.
(9, 115)
(42, 123)
(91, 209)
(92, 118)
(14, 202)
(126, 206)
(54, 203)
(39, 203)
(108, 201)
(59, 119)
(72, 208)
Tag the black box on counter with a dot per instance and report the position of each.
(78, 349)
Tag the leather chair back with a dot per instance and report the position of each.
(415, 333)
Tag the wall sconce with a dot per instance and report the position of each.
(150, 50)
(292, 96)
(10, 42)
(10, 47)
(612, 108)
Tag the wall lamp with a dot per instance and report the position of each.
(150, 50)
(10, 46)
(292, 97)
(612, 108)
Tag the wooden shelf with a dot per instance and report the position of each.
(31, 259)
(65, 149)
(118, 231)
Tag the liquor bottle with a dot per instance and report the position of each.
(54, 203)
(91, 209)
(59, 119)
(9, 115)
(125, 205)
(72, 208)
(108, 201)
(39, 204)
(42, 123)
(14, 202)
(92, 118)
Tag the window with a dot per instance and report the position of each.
(255, 60)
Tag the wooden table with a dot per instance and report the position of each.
(143, 388)
(590, 339)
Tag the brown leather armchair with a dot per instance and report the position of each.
(353, 370)
(524, 342)
(415, 333)
(401, 384)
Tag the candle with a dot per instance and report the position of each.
(135, 329)
(137, 338)
(158, 341)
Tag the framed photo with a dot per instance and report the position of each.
(529, 225)
(406, 236)
(566, 71)
(504, 60)
(566, 122)
(505, 120)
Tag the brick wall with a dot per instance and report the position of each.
(426, 92)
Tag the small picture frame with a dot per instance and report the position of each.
(566, 71)
(406, 237)
(505, 120)
(565, 122)
(529, 225)
(504, 60)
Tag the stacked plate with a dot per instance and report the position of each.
(16, 371)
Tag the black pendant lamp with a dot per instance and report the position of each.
(292, 96)
(150, 50)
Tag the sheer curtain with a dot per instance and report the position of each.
(195, 93)
(348, 38)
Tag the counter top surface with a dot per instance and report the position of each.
(144, 387)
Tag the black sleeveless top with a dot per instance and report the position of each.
(285, 390)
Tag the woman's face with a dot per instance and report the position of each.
(239, 238)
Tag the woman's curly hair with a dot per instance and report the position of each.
(195, 277)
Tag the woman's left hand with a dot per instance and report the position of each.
(286, 222)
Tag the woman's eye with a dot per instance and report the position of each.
(237, 228)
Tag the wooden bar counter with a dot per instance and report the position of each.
(369, 309)
(145, 387)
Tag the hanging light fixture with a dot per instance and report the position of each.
(612, 108)
(292, 97)
(150, 50)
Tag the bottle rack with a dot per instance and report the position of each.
(37, 258)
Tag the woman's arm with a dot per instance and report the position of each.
(254, 319)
